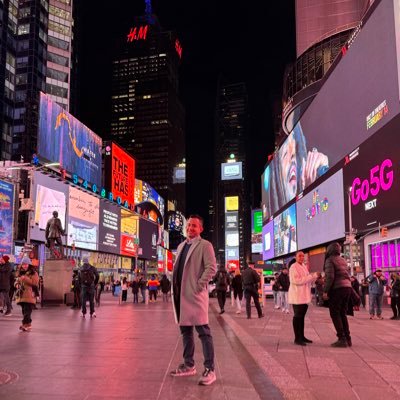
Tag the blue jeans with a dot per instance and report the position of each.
(375, 300)
(206, 341)
(87, 294)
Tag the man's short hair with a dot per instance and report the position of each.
(197, 216)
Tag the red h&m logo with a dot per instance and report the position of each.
(178, 48)
(137, 33)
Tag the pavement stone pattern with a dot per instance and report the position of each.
(128, 351)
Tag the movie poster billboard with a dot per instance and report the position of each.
(119, 173)
(64, 139)
(6, 217)
(109, 227)
(48, 195)
(83, 219)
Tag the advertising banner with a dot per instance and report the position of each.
(145, 192)
(230, 171)
(148, 234)
(119, 173)
(6, 217)
(320, 213)
(48, 195)
(64, 139)
(373, 174)
(256, 231)
(232, 253)
(268, 241)
(83, 219)
(285, 232)
(231, 203)
(109, 228)
(231, 221)
(129, 233)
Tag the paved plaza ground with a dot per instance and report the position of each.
(128, 351)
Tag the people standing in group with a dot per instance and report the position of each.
(143, 287)
(338, 290)
(165, 285)
(27, 284)
(275, 290)
(76, 289)
(377, 283)
(124, 289)
(6, 276)
(88, 279)
(283, 289)
(194, 267)
(153, 285)
(221, 280)
(251, 281)
(135, 290)
(237, 286)
(364, 291)
(299, 295)
(395, 294)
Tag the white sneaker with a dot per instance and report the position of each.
(208, 377)
(238, 312)
(93, 315)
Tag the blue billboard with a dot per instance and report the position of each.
(64, 139)
(6, 217)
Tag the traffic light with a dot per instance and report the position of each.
(384, 231)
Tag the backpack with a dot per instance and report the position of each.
(87, 277)
(222, 281)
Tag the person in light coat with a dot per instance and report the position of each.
(194, 267)
(300, 296)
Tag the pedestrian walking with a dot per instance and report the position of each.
(143, 288)
(27, 284)
(135, 290)
(338, 291)
(88, 279)
(300, 296)
(395, 294)
(221, 286)
(377, 283)
(275, 291)
(124, 289)
(76, 289)
(6, 277)
(153, 285)
(194, 267)
(165, 285)
(99, 290)
(237, 286)
(283, 288)
(251, 281)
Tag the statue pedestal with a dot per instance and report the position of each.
(57, 277)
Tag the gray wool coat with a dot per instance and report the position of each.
(200, 267)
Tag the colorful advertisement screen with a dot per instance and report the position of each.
(120, 173)
(64, 139)
(83, 219)
(129, 233)
(285, 232)
(320, 213)
(373, 174)
(268, 241)
(148, 236)
(6, 217)
(231, 171)
(109, 227)
(49, 195)
(146, 193)
(256, 231)
(353, 103)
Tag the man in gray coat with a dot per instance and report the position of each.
(194, 267)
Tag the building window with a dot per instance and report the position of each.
(56, 27)
(59, 12)
(60, 60)
(60, 44)
(56, 90)
(24, 12)
(58, 75)
(23, 29)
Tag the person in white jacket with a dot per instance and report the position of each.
(300, 296)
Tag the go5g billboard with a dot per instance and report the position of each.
(64, 139)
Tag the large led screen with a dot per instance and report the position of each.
(373, 174)
(49, 194)
(148, 236)
(64, 139)
(109, 227)
(268, 250)
(285, 232)
(320, 213)
(231, 171)
(358, 98)
(6, 217)
(144, 192)
(83, 219)
(129, 233)
(256, 231)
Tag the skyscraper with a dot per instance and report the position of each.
(36, 51)
(147, 116)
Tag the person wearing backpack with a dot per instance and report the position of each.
(88, 279)
(221, 286)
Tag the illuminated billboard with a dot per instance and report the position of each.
(268, 241)
(129, 233)
(231, 203)
(83, 219)
(146, 193)
(177, 222)
(373, 173)
(109, 227)
(49, 194)
(6, 217)
(285, 232)
(64, 139)
(148, 237)
(231, 221)
(256, 231)
(179, 175)
(119, 173)
(320, 213)
(231, 171)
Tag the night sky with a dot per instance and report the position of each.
(236, 40)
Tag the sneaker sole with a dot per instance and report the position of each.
(207, 383)
(192, 373)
